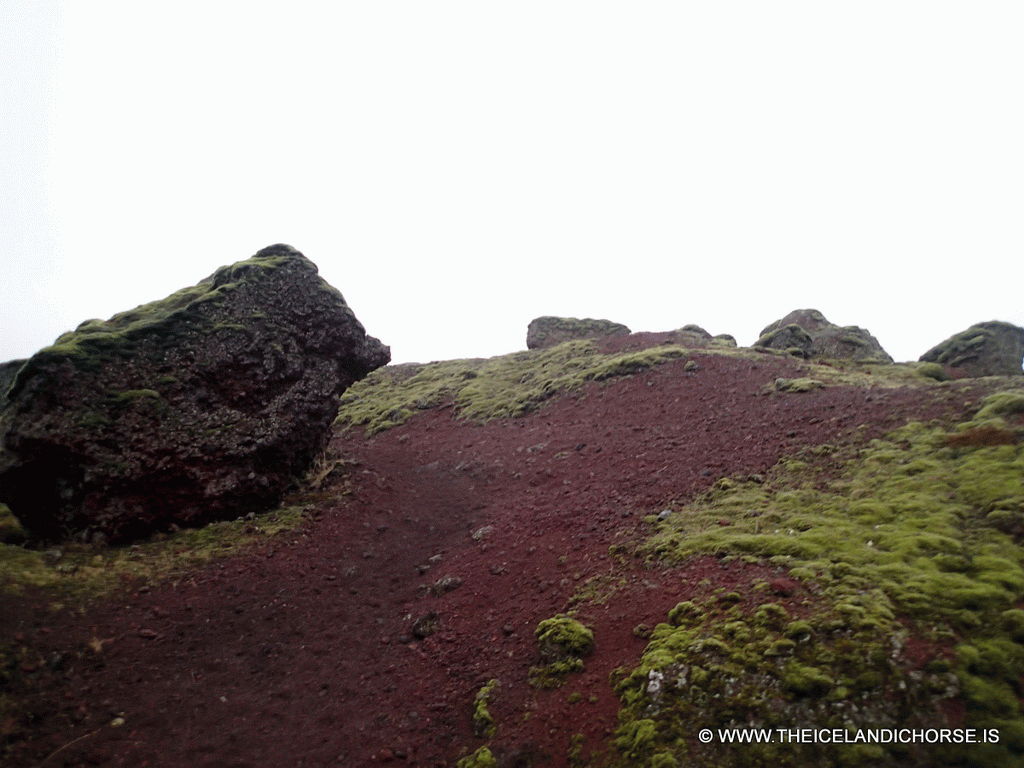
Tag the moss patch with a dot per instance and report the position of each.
(483, 721)
(512, 385)
(563, 642)
(482, 758)
(77, 573)
(481, 390)
(910, 541)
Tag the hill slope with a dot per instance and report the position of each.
(751, 541)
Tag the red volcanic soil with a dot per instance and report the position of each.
(306, 653)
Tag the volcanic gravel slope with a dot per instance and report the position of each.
(364, 637)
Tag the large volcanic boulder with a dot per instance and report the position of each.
(994, 348)
(807, 332)
(199, 407)
(544, 332)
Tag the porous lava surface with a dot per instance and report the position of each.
(363, 637)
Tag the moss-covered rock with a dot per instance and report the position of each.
(563, 642)
(202, 406)
(808, 332)
(483, 721)
(549, 331)
(992, 348)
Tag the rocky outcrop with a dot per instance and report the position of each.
(993, 348)
(694, 336)
(544, 332)
(199, 407)
(806, 332)
(789, 338)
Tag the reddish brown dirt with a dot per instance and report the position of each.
(304, 654)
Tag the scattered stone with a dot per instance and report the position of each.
(806, 333)
(425, 625)
(199, 407)
(548, 331)
(481, 533)
(992, 348)
(444, 585)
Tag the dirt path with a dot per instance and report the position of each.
(363, 638)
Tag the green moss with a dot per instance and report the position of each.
(636, 740)
(1001, 404)
(96, 344)
(11, 531)
(803, 680)
(564, 636)
(78, 573)
(909, 535)
(933, 371)
(133, 398)
(798, 385)
(575, 753)
(483, 722)
(521, 382)
(21, 568)
(563, 642)
(686, 613)
(482, 390)
(482, 758)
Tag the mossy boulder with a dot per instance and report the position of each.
(808, 333)
(691, 336)
(992, 348)
(199, 407)
(548, 331)
(563, 642)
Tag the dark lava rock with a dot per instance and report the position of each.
(806, 332)
(199, 407)
(8, 372)
(544, 332)
(994, 348)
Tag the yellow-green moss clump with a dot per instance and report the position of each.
(480, 390)
(482, 758)
(918, 537)
(483, 721)
(563, 642)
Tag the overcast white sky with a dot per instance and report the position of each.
(458, 168)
